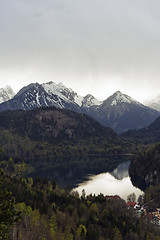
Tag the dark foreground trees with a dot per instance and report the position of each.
(51, 213)
(8, 213)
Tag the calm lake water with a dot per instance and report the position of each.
(116, 182)
(94, 174)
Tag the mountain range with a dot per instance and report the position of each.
(119, 111)
(47, 95)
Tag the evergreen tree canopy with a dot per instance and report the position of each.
(7, 209)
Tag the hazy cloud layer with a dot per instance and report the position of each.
(96, 46)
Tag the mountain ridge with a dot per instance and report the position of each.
(119, 111)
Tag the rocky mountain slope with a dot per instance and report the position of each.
(119, 111)
(36, 95)
(46, 95)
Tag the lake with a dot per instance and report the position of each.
(94, 174)
(116, 182)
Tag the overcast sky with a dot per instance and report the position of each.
(91, 46)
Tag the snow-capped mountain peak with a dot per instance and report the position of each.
(119, 97)
(90, 100)
(6, 94)
(118, 111)
(66, 94)
(27, 88)
(46, 94)
(153, 102)
(52, 88)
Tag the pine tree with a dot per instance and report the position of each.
(7, 209)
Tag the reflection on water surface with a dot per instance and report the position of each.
(116, 182)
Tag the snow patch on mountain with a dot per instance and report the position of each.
(60, 91)
(78, 100)
(118, 97)
(27, 89)
(89, 101)
(153, 102)
(6, 94)
(68, 95)
(51, 89)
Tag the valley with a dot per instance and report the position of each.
(54, 144)
(79, 120)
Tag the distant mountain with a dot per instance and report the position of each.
(6, 94)
(90, 101)
(37, 95)
(46, 95)
(150, 134)
(49, 132)
(119, 111)
(153, 102)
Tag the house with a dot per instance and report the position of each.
(131, 204)
(107, 197)
(137, 206)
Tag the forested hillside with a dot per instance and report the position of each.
(145, 168)
(49, 132)
(45, 211)
(149, 134)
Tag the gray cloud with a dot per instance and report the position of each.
(96, 46)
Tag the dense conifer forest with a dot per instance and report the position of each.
(40, 209)
(47, 133)
(145, 167)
